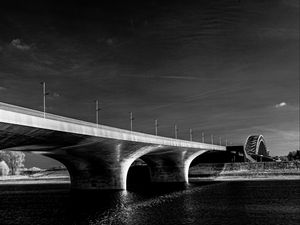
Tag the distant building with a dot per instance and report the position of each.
(4, 169)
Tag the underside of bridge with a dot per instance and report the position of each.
(105, 165)
(100, 163)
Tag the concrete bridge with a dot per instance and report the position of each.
(96, 156)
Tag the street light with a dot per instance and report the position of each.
(220, 138)
(156, 127)
(97, 111)
(44, 97)
(212, 139)
(175, 130)
(203, 138)
(191, 134)
(131, 119)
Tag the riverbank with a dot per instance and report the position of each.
(23, 179)
(245, 171)
(199, 173)
(20, 180)
(244, 178)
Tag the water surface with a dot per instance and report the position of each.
(250, 202)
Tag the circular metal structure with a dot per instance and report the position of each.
(255, 147)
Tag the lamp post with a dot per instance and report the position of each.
(175, 130)
(212, 139)
(191, 134)
(131, 121)
(44, 97)
(97, 111)
(220, 138)
(203, 138)
(156, 127)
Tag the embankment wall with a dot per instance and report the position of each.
(245, 169)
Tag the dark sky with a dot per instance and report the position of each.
(228, 68)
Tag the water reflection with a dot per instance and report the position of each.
(276, 202)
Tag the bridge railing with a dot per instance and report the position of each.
(36, 113)
(32, 112)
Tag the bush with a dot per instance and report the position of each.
(13, 159)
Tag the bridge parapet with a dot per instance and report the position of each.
(32, 118)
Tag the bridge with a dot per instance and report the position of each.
(255, 149)
(97, 156)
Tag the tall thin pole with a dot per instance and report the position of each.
(203, 140)
(156, 127)
(131, 119)
(175, 130)
(97, 111)
(212, 139)
(226, 142)
(220, 138)
(191, 134)
(44, 98)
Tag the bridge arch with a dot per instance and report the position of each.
(138, 175)
(255, 145)
(170, 164)
(89, 169)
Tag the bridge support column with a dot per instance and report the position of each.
(166, 167)
(89, 179)
(171, 166)
(95, 173)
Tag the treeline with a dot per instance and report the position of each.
(13, 159)
(294, 155)
(291, 156)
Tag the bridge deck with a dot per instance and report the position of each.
(19, 116)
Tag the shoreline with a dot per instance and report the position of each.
(242, 178)
(20, 180)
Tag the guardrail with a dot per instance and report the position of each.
(49, 116)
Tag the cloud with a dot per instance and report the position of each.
(2, 88)
(17, 43)
(55, 94)
(282, 104)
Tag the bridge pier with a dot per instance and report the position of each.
(89, 180)
(93, 171)
(166, 166)
(171, 166)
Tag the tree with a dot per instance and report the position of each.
(13, 159)
(295, 155)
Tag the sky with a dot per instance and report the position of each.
(228, 68)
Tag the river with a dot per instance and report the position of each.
(239, 202)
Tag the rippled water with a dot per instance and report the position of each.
(254, 202)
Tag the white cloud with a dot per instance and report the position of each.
(281, 104)
(55, 94)
(17, 43)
